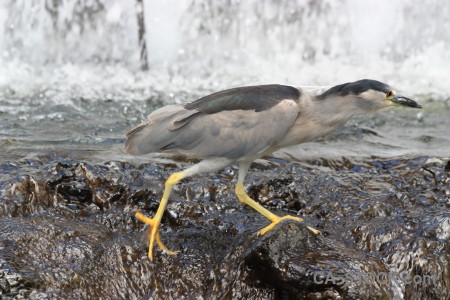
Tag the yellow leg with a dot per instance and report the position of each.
(156, 220)
(244, 198)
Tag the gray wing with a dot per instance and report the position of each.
(257, 98)
(227, 133)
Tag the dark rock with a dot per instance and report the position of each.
(298, 264)
(68, 231)
(5, 287)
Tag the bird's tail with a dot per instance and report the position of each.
(154, 133)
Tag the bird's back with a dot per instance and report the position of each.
(257, 98)
(232, 123)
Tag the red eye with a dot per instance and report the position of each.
(389, 94)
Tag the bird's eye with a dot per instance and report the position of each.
(389, 94)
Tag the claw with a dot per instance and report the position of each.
(163, 247)
(315, 231)
(277, 220)
(144, 219)
(244, 198)
(153, 234)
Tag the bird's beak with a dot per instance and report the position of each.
(402, 100)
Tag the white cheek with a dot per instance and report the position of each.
(373, 95)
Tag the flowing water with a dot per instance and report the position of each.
(70, 79)
(71, 82)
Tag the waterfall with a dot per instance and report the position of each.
(210, 45)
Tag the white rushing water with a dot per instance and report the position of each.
(70, 76)
(91, 46)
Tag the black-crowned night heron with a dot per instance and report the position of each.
(246, 123)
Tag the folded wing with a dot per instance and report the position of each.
(235, 127)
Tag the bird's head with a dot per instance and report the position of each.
(368, 95)
(394, 99)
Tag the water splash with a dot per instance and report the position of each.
(70, 75)
(91, 46)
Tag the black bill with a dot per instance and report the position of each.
(406, 101)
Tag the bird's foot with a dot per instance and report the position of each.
(153, 234)
(277, 220)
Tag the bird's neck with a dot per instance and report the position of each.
(334, 112)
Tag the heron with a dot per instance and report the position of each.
(239, 125)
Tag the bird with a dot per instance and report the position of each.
(241, 124)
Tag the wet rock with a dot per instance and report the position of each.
(5, 287)
(68, 231)
(297, 264)
(73, 192)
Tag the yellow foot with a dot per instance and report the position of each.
(277, 220)
(153, 234)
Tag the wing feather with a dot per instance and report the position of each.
(233, 123)
(231, 134)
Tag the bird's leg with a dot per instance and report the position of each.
(156, 220)
(244, 198)
(206, 165)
